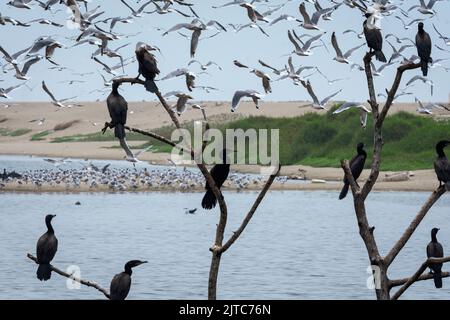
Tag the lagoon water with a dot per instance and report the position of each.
(300, 245)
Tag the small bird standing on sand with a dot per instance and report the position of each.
(356, 167)
(435, 250)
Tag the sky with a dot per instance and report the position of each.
(247, 46)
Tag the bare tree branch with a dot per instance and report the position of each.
(417, 274)
(158, 94)
(249, 215)
(423, 277)
(145, 133)
(69, 276)
(414, 224)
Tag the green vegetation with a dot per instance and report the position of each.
(40, 136)
(13, 133)
(323, 140)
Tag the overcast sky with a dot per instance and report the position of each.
(247, 46)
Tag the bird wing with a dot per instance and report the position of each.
(5, 53)
(291, 38)
(311, 40)
(237, 97)
(129, 7)
(178, 27)
(194, 41)
(324, 101)
(349, 52)
(48, 92)
(176, 73)
(304, 14)
(335, 45)
(29, 63)
(311, 93)
(344, 107)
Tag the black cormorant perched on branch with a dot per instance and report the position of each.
(121, 283)
(374, 39)
(423, 44)
(219, 173)
(442, 165)
(435, 250)
(46, 248)
(356, 167)
(118, 108)
(147, 66)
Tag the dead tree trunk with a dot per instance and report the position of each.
(380, 264)
(218, 248)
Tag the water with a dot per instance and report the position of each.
(299, 245)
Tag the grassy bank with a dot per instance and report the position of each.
(323, 140)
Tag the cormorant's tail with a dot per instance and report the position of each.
(150, 85)
(424, 67)
(119, 131)
(437, 277)
(447, 186)
(344, 191)
(379, 55)
(44, 272)
(209, 200)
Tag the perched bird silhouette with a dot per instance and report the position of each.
(118, 108)
(423, 44)
(442, 165)
(121, 283)
(374, 39)
(46, 248)
(435, 250)
(219, 173)
(356, 167)
(147, 66)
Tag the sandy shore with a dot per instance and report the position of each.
(148, 115)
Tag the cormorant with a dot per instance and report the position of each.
(356, 166)
(46, 248)
(374, 39)
(219, 173)
(121, 283)
(118, 108)
(435, 250)
(147, 66)
(442, 165)
(423, 44)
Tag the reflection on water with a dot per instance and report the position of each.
(300, 245)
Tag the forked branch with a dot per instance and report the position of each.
(414, 224)
(252, 211)
(417, 274)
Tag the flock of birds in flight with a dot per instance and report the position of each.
(303, 45)
(93, 29)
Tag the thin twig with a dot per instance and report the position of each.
(423, 277)
(250, 214)
(69, 276)
(414, 224)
